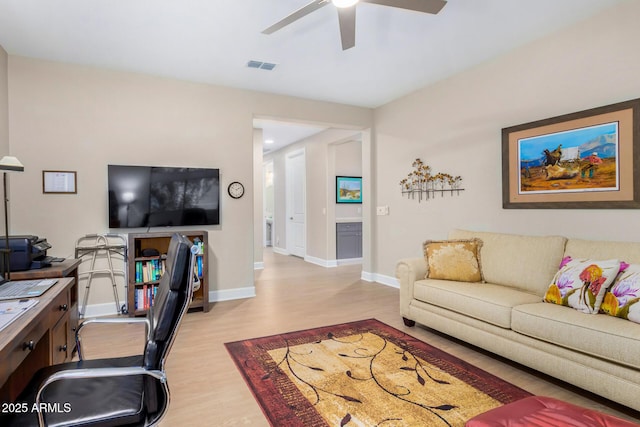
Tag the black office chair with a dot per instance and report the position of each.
(125, 391)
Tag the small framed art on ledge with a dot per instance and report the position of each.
(59, 182)
(348, 189)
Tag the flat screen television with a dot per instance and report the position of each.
(152, 196)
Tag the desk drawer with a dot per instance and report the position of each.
(32, 342)
(59, 307)
(349, 226)
(59, 341)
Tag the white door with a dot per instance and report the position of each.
(295, 187)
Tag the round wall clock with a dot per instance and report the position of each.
(236, 190)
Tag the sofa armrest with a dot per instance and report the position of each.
(409, 270)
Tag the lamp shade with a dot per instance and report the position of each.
(10, 163)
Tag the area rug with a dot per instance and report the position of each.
(364, 373)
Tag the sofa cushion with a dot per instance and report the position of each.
(623, 297)
(484, 301)
(581, 283)
(524, 262)
(602, 336)
(453, 259)
(628, 252)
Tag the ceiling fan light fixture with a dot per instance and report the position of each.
(344, 3)
(347, 14)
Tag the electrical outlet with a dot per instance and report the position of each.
(382, 210)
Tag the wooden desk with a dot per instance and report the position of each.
(43, 336)
(66, 268)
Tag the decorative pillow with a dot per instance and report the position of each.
(622, 299)
(581, 283)
(453, 260)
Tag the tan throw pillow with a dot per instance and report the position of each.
(453, 260)
(581, 283)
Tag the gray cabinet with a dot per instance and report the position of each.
(348, 240)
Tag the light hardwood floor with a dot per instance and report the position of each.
(207, 389)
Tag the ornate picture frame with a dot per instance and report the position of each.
(584, 160)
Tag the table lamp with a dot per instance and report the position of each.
(7, 164)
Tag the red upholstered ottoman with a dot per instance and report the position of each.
(539, 411)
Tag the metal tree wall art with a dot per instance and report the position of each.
(421, 183)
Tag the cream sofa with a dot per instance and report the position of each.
(506, 316)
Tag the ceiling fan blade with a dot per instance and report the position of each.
(425, 6)
(347, 21)
(303, 11)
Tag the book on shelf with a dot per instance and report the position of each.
(144, 296)
(150, 270)
(199, 265)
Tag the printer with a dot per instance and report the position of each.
(27, 252)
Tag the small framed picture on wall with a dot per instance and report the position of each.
(348, 189)
(59, 182)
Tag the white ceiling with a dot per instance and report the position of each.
(211, 41)
(282, 134)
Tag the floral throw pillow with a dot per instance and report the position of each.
(581, 283)
(453, 260)
(623, 298)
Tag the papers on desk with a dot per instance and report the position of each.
(11, 310)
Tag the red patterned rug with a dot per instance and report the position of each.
(364, 373)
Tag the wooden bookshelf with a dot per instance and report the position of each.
(145, 271)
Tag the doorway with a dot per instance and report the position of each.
(304, 224)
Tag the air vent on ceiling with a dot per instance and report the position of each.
(261, 65)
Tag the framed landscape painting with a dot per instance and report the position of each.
(589, 159)
(348, 189)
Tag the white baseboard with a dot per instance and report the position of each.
(101, 310)
(280, 251)
(349, 261)
(380, 278)
(258, 265)
(331, 263)
(367, 277)
(321, 262)
(232, 294)
(109, 309)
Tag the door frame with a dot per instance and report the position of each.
(289, 200)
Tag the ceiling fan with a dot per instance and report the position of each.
(347, 14)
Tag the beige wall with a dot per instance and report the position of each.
(348, 162)
(455, 126)
(317, 195)
(78, 118)
(4, 115)
(258, 199)
(67, 117)
(4, 103)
